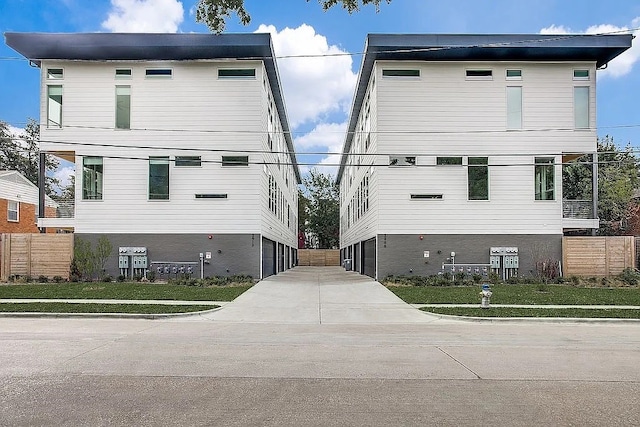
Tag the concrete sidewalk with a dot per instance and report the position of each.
(112, 301)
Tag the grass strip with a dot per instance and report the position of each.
(519, 294)
(582, 313)
(133, 291)
(63, 307)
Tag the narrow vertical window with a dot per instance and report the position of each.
(92, 172)
(123, 107)
(514, 107)
(544, 178)
(13, 211)
(158, 178)
(581, 106)
(478, 178)
(54, 106)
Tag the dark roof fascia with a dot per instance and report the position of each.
(157, 47)
(487, 47)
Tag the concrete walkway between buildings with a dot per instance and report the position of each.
(319, 295)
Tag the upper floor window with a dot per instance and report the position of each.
(402, 160)
(158, 178)
(55, 73)
(581, 106)
(92, 173)
(123, 107)
(514, 74)
(158, 73)
(188, 161)
(544, 178)
(400, 73)
(13, 211)
(123, 73)
(479, 74)
(236, 73)
(514, 107)
(446, 161)
(54, 106)
(478, 178)
(580, 74)
(237, 161)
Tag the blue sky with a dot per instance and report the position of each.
(319, 91)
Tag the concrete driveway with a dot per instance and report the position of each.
(319, 295)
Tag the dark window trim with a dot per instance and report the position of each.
(159, 72)
(236, 73)
(235, 161)
(403, 73)
(449, 161)
(187, 161)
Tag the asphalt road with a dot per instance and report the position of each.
(207, 371)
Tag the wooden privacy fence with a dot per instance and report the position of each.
(35, 255)
(319, 257)
(597, 256)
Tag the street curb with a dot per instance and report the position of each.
(157, 316)
(551, 320)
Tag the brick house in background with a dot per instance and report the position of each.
(19, 204)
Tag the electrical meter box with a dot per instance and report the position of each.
(494, 261)
(123, 261)
(139, 261)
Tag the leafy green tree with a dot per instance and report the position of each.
(214, 13)
(617, 182)
(102, 252)
(323, 196)
(303, 214)
(21, 153)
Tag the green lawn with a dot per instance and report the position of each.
(61, 307)
(535, 312)
(519, 294)
(131, 291)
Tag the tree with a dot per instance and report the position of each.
(323, 208)
(21, 153)
(617, 182)
(303, 216)
(214, 13)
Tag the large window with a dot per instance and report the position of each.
(13, 211)
(544, 178)
(514, 107)
(54, 106)
(158, 178)
(92, 173)
(478, 178)
(581, 106)
(123, 107)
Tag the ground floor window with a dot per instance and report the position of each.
(13, 211)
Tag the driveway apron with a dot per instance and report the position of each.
(319, 295)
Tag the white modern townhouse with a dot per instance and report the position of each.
(455, 148)
(181, 145)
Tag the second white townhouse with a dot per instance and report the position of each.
(453, 158)
(182, 151)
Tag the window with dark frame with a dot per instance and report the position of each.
(544, 178)
(449, 161)
(478, 178)
(188, 161)
(92, 177)
(237, 161)
(158, 178)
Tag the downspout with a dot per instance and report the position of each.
(41, 187)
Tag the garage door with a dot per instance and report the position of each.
(369, 257)
(268, 257)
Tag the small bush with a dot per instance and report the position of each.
(630, 277)
(107, 279)
(151, 276)
(120, 278)
(58, 279)
(43, 279)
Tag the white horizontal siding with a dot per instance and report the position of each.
(443, 114)
(194, 111)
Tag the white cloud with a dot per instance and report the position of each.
(313, 86)
(325, 137)
(144, 16)
(64, 174)
(621, 65)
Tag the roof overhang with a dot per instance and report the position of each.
(599, 49)
(157, 47)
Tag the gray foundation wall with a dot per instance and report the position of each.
(403, 254)
(231, 254)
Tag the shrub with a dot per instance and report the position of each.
(630, 276)
(120, 278)
(43, 279)
(151, 276)
(107, 279)
(58, 279)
